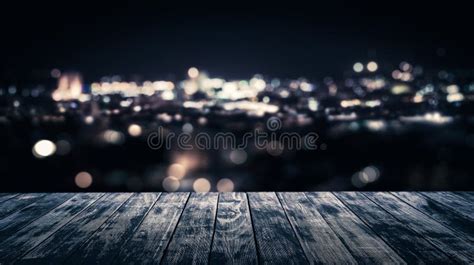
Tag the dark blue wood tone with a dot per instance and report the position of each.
(237, 228)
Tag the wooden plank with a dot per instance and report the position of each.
(412, 247)
(320, 244)
(453, 202)
(104, 245)
(18, 219)
(468, 195)
(34, 233)
(61, 244)
(276, 240)
(298, 228)
(439, 235)
(148, 243)
(234, 241)
(362, 242)
(192, 239)
(7, 196)
(460, 224)
(19, 202)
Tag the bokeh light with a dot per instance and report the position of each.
(134, 130)
(372, 66)
(238, 156)
(358, 67)
(177, 170)
(171, 183)
(193, 72)
(43, 148)
(201, 185)
(225, 185)
(83, 180)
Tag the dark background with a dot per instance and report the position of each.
(233, 39)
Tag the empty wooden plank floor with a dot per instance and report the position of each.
(237, 228)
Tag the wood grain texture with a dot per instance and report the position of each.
(104, 245)
(31, 212)
(467, 195)
(276, 241)
(319, 242)
(412, 247)
(453, 202)
(234, 241)
(460, 224)
(439, 235)
(362, 242)
(7, 196)
(148, 244)
(237, 228)
(16, 203)
(192, 239)
(36, 232)
(60, 245)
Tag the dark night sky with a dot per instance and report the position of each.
(232, 39)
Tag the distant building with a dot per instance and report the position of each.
(69, 87)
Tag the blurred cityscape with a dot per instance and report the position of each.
(379, 128)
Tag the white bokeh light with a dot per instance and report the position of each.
(44, 148)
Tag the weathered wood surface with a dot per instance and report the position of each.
(192, 238)
(446, 216)
(412, 247)
(233, 237)
(75, 233)
(149, 242)
(23, 217)
(7, 196)
(276, 241)
(362, 241)
(319, 242)
(459, 249)
(237, 228)
(108, 239)
(452, 201)
(30, 236)
(23, 200)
